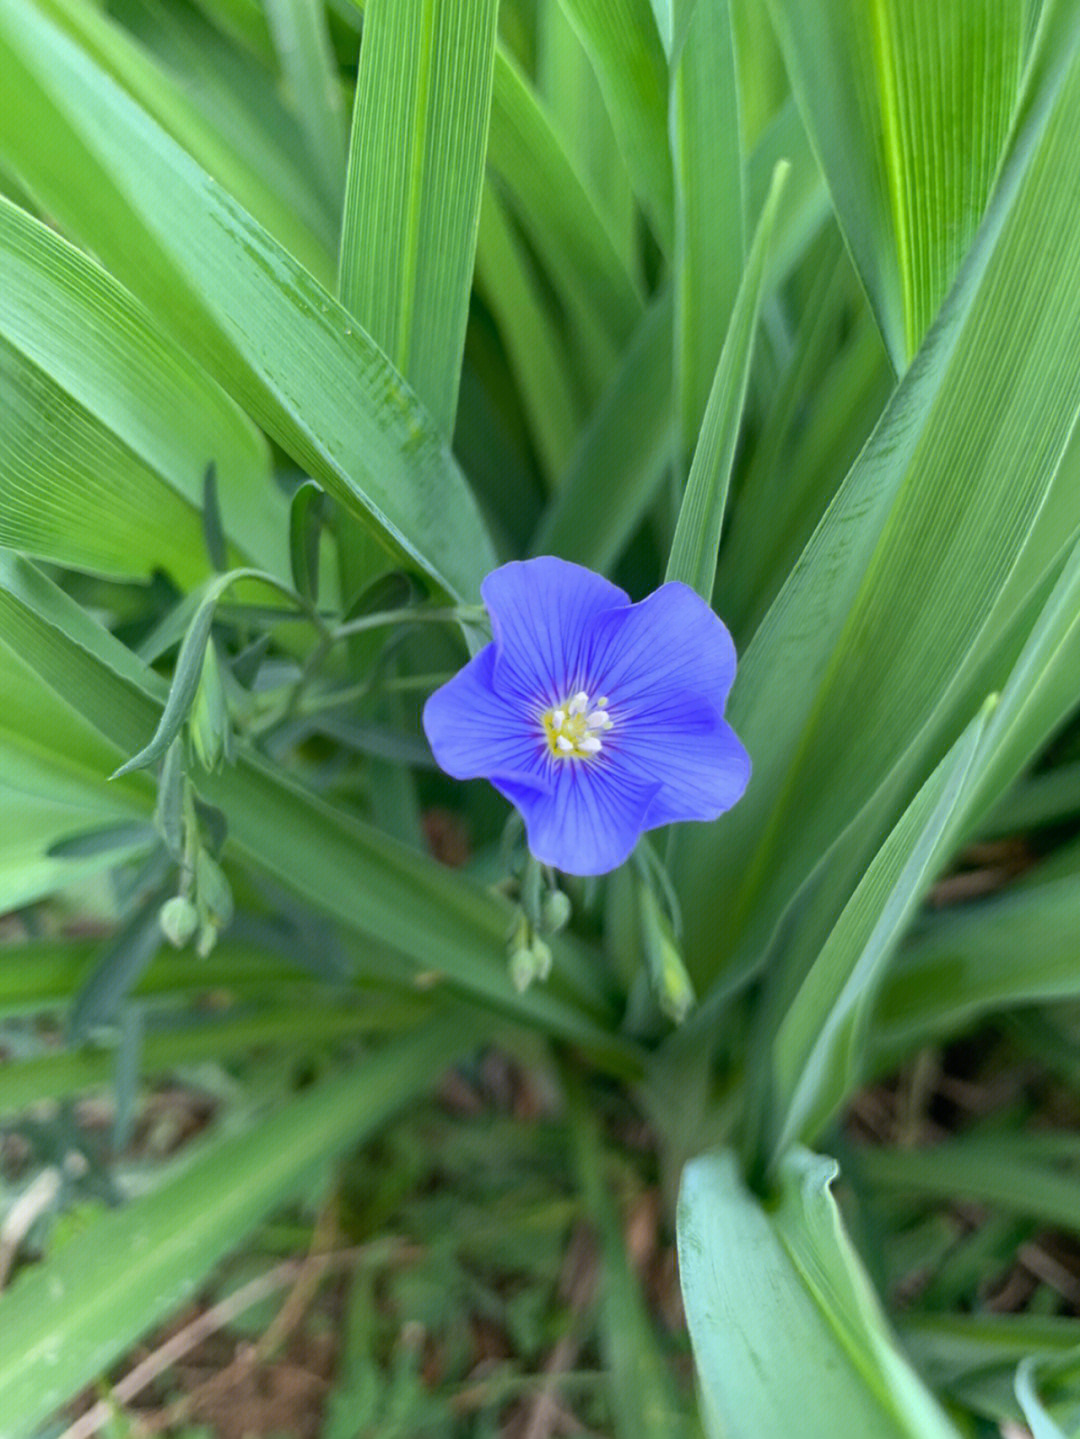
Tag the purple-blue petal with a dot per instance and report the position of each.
(475, 731)
(542, 613)
(591, 819)
(651, 655)
(699, 762)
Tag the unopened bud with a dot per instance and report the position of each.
(555, 911)
(179, 919)
(211, 737)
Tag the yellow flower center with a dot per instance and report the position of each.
(573, 729)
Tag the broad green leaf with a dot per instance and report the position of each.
(701, 516)
(623, 43)
(1038, 1373)
(302, 43)
(52, 785)
(67, 1319)
(262, 326)
(819, 1048)
(507, 279)
(239, 95)
(709, 208)
(416, 165)
(621, 458)
(908, 104)
(788, 1336)
(384, 892)
(275, 197)
(563, 223)
(90, 340)
(1040, 799)
(891, 594)
(72, 493)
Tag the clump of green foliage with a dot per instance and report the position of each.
(781, 301)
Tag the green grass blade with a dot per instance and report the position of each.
(262, 326)
(991, 1170)
(69, 1318)
(644, 1401)
(891, 594)
(622, 456)
(963, 965)
(622, 41)
(909, 107)
(701, 516)
(420, 128)
(709, 208)
(788, 1335)
(303, 46)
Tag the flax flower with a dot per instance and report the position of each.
(597, 718)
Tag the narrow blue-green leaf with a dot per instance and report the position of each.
(709, 208)
(264, 328)
(302, 42)
(416, 166)
(819, 1049)
(66, 1320)
(701, 516)
(119, 967)
(624, 45)
(622, 456)
(788, 1335)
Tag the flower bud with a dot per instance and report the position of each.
(555, 911)
(211, 736)
(179, 919)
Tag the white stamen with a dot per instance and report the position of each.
(566, 745)
(598, 720)
(590, 744)
(579, 703)
(558, 718)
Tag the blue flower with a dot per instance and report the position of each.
(597, 718)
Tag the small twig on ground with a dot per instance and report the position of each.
(203, 1326)
(548, 1417)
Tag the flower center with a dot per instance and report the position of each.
(574, 728)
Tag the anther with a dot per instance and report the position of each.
(590, 744)
(579, 703)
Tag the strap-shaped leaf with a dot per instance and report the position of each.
(908, 104)
(100, 368)
(624, 45)
(296, 360)
(788, 1334)
(701, 516)
(416, 166)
